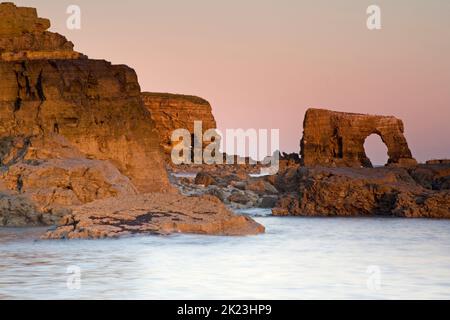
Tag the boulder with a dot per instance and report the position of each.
(268, 202)
(204, 179)
(261, 187)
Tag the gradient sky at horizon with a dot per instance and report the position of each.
(262, 63)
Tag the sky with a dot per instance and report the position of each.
(262, 64)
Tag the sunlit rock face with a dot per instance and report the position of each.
(336, 139)
(174, 111)
(46, 89)
(24, 36)
(78, 148)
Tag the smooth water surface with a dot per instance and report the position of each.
(297, 258)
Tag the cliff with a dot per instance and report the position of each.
(74, 131)
(173, 111)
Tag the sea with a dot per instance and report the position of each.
(297, 258)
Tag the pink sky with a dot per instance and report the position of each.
(261, 64)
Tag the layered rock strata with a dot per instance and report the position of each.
(24, 36)
(93, 104)
(170, 112)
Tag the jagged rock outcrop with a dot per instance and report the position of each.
(321, 191)
(336, 139)
(153, 214)
(174, 111)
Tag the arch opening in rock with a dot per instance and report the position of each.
(336, 139)
(376, 151)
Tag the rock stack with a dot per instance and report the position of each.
(336, 139)
(333, 182)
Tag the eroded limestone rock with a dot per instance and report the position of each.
(336, 139)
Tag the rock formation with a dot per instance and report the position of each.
(153, 214)
(336, 139)
(93, 104)
(331, 181)
(24, 36)
(45, 176)
(75, 131)
(173, 111)
(439, 161)
(233, 186)
(417, 192)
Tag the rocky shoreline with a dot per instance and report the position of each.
(421, 191)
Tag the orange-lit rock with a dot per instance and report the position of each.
(174, 111)
(336, 139)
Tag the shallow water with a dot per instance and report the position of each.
(298, 258)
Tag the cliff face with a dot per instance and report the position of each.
(172, 111)
(336, 139)
(95, 105)
(74, 131)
